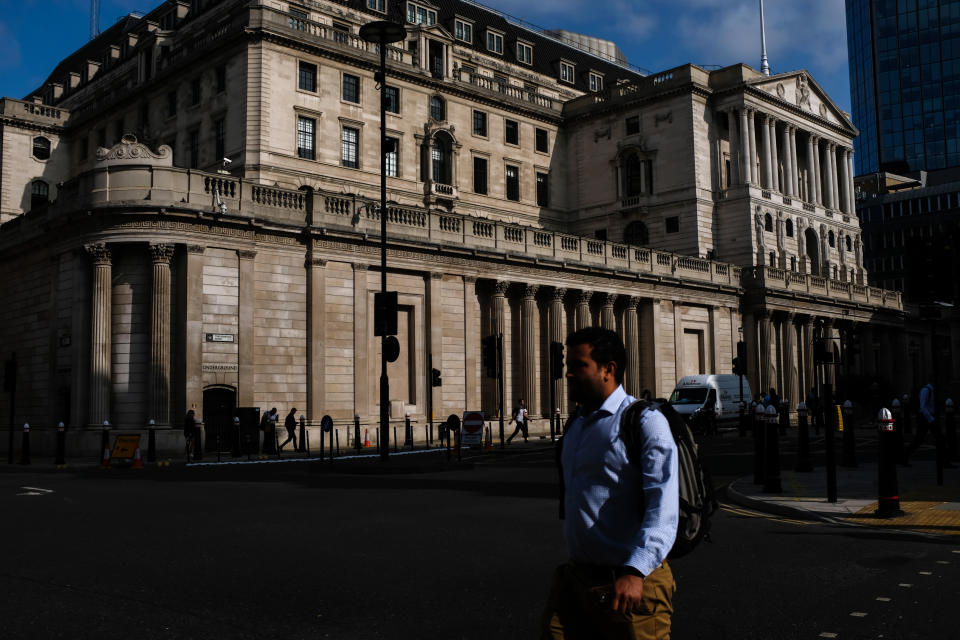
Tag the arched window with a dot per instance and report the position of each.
(789, 227)
(41, 148)
(438, 109)
(849, 244)
(39, 194)
(767, 222)
(831, 239)
(636, 234)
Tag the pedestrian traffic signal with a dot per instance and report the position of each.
(742, 353)
(738, 367)
(556, 360)
(489, 356)
(435, 380)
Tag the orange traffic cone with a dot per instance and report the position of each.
(137, 462)
(366, 437)
(105, 462)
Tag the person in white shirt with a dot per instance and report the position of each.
(520, 417)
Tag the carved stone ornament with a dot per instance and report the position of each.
(129, 150)
(500, 287)
(530, 291)
(99, 253)
(803, 92)
(823, 110)
(558, 293)
(196, 248)
(781, 90)
(161, 253)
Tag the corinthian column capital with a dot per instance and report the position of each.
(161, 253)
(99, 253)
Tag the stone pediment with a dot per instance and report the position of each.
(131, 151)
(800, 90)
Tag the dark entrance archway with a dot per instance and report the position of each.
(218, 405)
(813, 251)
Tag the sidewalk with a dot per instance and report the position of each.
(928, 508)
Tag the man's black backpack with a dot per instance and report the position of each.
(697, 502)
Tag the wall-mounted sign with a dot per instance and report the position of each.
(219, 337)
(220, 368)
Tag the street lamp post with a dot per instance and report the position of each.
(382, 33)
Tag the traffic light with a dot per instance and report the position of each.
(435, 380)
(556, 360)
(738, 367)
(489, 355)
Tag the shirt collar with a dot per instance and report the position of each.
(612, 403)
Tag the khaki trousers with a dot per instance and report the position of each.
(579, 607)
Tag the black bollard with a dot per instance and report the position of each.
(888, 500)
(151, 441)
(950, 424)
(743, 419)
(445, 431)
(303, 434)
(803, 440)
(104, 440)
(61, 457)
(828, 430)
(235, 449)
(759, 437)
(356, 432)
(337, 434)
(306, 447)
(25, 444)
(198, 442)
(849, 445)
(407, 432)
(784, 416)
(771, 482)
(394, 440)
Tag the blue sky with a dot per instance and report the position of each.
(654, 34)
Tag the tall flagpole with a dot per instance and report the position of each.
(764, 64)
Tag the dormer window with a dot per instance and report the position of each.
(377, 5)
(39, 194)
(596, 81)
(463, 31)
(417, 14)
(495, 42)
(567, 72)
(524, 53)
(41, 148)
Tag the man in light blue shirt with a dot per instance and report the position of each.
(621, 520)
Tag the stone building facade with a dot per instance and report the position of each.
(533, 188)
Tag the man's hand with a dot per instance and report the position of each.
(627, 591)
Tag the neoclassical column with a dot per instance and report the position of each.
(100, 328)
(794, 164)
(834, 186)
(650, 359)
(749, 324)
(735, 169)
(817, 173)
(791, 364)
(472, 331)
(362, 389)
(779, 355)
(811, 172)
(768, 159)
(768, 374)
(825, 169)
(246, 351)
(159, 389)
(556, 314)
(631, 330)
(316, 336)
(435, 340)
(498, 324)
(528, 346)
(850, 185)
(583, 309)
(752, 133)
(774, 160)
(607, 318)
(842, 190)
(787, 165)
(745, 148)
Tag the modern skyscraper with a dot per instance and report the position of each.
(905, 83)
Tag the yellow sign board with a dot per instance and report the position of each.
(839, 418)
(125, 446)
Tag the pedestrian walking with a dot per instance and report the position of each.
(520, 416)
(189, 432)
(617, 583)
(291, 425)
(926, 421)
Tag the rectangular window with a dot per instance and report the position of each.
(633, 125)
(171, 104)
(494, 42)
(348, 147)
(297, 19)
(542, 141)
(480, 176)
(194, 149)
(672, 224)
(392, 153)
(351, 88)
(596, 82)
(195, 91)
(221, 78)
(341, 33)
(306, 137)
(524, 53)
(220, 138)
(513, 182)
(543, 189)
(392, 95)
(480, 123)
(463, 31)
(420, 15)
(307, 76)
(377, 5)
(511, 132)
(566, 72)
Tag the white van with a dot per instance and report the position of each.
(720, 392)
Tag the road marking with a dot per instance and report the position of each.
(31, 493)
(906, 585)
(827, 634)
(882, 599)
(943, 562)
(38, 489)
(956, 551)
(858, 614)
(756, 514)
(925, 573)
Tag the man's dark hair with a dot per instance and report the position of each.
(607, 347)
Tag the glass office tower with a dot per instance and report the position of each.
(905, 83)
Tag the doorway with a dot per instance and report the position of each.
(218, 405)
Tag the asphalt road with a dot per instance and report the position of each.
(280, 551)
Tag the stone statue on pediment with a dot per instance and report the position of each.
(803, 92)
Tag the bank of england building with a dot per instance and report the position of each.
(191, 219)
